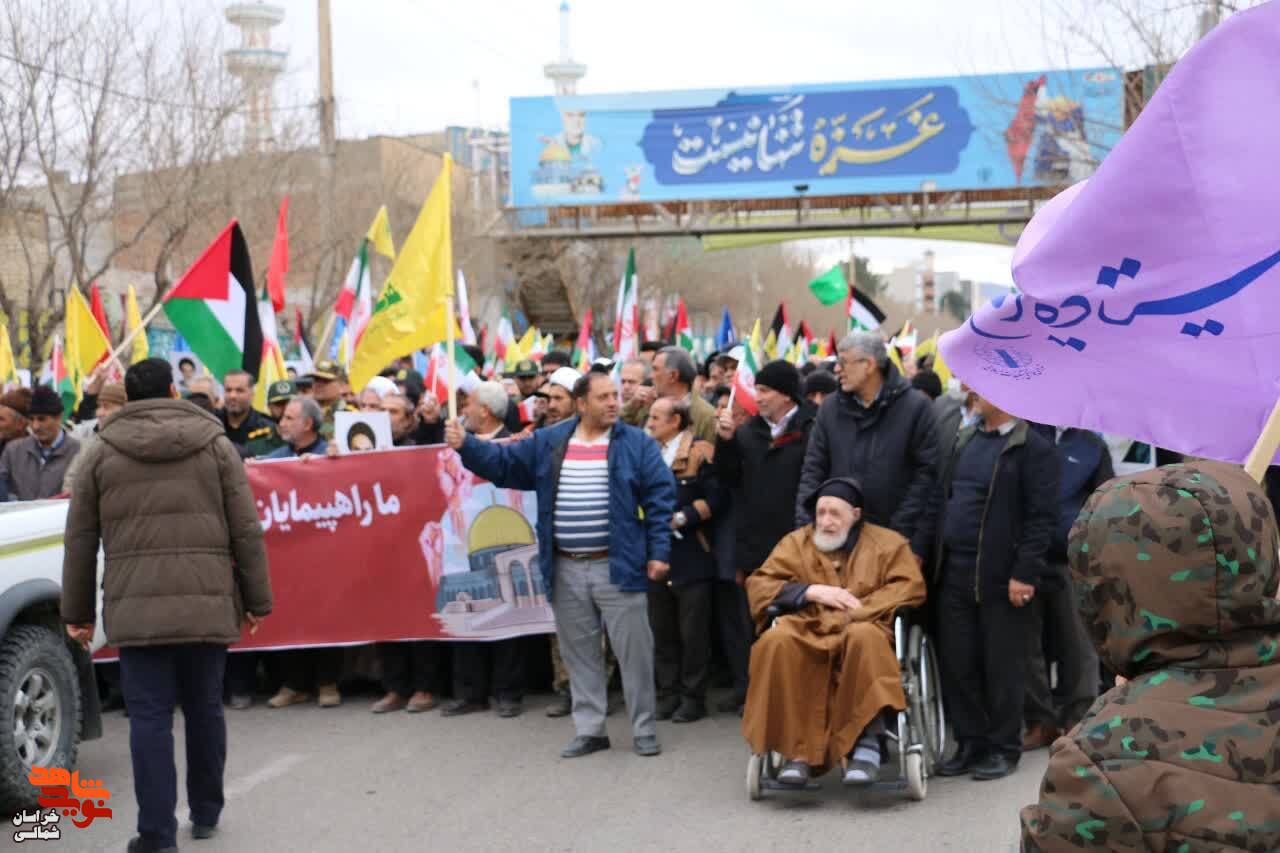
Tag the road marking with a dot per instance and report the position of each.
(273, 769)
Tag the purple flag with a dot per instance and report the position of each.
(1149, 298)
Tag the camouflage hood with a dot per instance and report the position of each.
(1178, 566)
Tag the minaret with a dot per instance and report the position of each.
(257, 66)
(564, 72)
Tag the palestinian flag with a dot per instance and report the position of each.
(214, 308)
(61, 380)
(780, 331)
(585, 351)
(680, 335)
(864, 315)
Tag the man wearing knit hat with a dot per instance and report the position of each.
(15, 405)
(32, 468)
(111, 398)
(760, 461)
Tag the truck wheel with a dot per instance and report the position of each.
(39, 709)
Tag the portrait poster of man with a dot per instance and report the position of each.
(360, 432)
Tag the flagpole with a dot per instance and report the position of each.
(1264, 450)
(324, 338)
(453, 381)
(128, 339)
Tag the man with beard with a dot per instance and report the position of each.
(825, 673)
(252, 432)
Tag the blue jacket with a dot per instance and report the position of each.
(642, 493)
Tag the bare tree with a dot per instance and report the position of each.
(91, 93)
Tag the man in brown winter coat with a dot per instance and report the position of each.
(166, 493)
(1176, 573)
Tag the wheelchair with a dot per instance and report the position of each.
(920, 736)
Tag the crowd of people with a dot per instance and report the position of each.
(687, 532)
(661, 498)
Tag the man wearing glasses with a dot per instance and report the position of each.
(878, 430)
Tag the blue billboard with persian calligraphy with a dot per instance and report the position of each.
(962, 133)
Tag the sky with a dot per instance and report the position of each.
(406, 66)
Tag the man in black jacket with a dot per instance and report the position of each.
(680, 605)
(760, 461)
(879, 431)
(1058, 632)
(994, 512)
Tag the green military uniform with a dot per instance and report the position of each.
(330, 371)
(256, 434)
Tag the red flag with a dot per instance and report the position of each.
(279, 259)
(98, 309)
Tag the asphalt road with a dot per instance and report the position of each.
(306, 779)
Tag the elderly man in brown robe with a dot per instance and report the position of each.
(824, 674)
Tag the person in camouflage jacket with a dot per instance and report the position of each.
(1177, 576)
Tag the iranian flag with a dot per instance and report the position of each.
(527, 408)
(214, 308)
(355, 302)
(626, 326)
(680, 335)
(744, 382)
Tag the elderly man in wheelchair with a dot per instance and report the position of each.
(825, 675)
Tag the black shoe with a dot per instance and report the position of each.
(667, 706)
(202, 832)
(561, 706)
(583, 745)
(458, 707)
(138, 844)
(690, 711)
(731, 705)
(510, 708)
(968, 756)
(997, 765)
(647, 745)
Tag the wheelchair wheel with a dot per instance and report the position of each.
(928, 722)
(755, 769)
(935, 714)
(917, 776)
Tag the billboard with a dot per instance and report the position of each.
(980, 132)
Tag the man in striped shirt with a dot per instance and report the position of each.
(605, 500)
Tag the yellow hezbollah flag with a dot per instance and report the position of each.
(416, 302)
(133, 319)
(86, 345)
(930, 347)
(8, 366)
(379, 235)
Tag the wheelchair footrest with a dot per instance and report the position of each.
(775, 785)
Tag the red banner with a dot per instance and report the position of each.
(400, 544)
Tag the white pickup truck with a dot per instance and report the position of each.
(48, 695)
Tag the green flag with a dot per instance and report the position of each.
(830, 287)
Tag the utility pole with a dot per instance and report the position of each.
(328, 124)
(329, 156)
(1210, 17)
